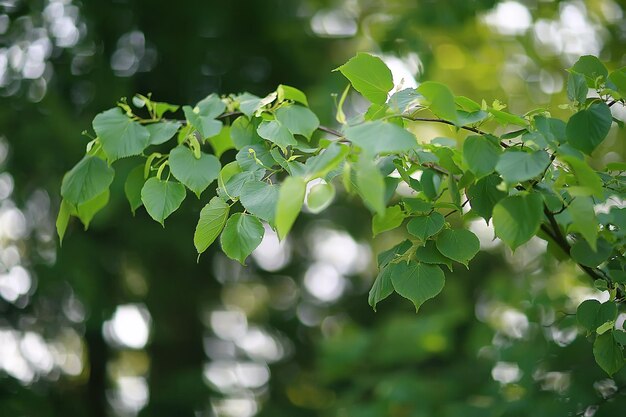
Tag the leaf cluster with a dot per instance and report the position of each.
(527, 174)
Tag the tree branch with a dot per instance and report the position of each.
(555, 233)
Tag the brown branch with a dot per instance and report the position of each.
(445, 122)
(555, 233)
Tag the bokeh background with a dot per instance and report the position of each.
(122, 321)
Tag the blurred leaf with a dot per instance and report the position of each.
(392, 218)
(583, 253)
(371, 185)
(608, 353)
(320, 197)
(290, 199)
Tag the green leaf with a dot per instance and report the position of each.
(468, 118)
(400, 101)
(417, 282)
(161, 132)
(385, 257)
(371, 185)
(260, 199)
(203, 123)
(196, 173)
(458, 244)
(162, 198)
(381, 289)
(63, 218)
(440, 100)
(518, 166)
(369, 76)
(430, 182)
(161, 108)
(120, 136)
(89, 178)
(254, 157)
(584, 219)
(381, 138)
(243, 133)
(591, 68)
(517, 219)
(221, 142)
(392, 218)
(320, 196)
(620, 337)
(241, 235)
(227, 172)
(326, 161)
(484, 195)
(591, 314)
(249, 103)
(585, 176)
(424, 227)
(429, 254)
(211, 106)
(481, 155)
(608, 353)
(212, 220)
(553, 130)
(235, 184)
(618, 77)
(588, 128)
(290, 199)
(87, 210)
(293, 167)
(583, 253)
(277, 133)
(298, 119)
(286, 92)
(132, 187)
(506, 118)
(416, 205)
(577, 87)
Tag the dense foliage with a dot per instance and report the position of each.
(527, 174)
